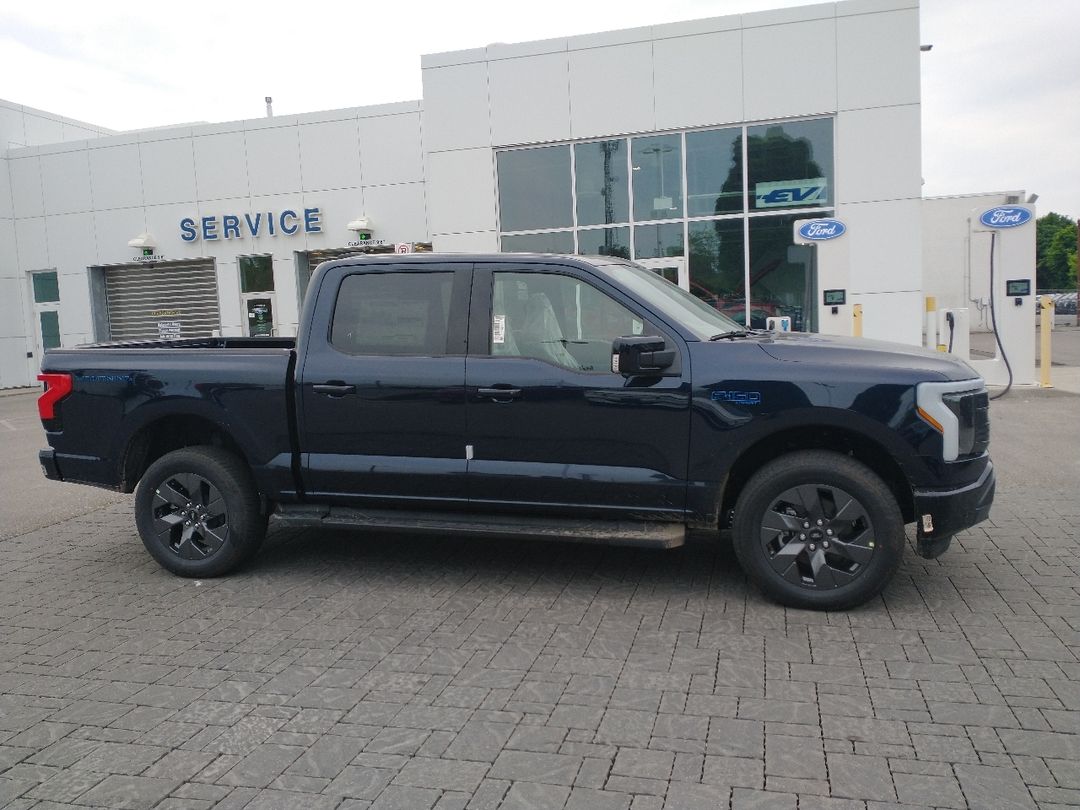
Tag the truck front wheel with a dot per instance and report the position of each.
(816, 529)
(198, 514)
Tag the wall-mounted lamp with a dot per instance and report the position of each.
(359, 224)
(143, 241)
(1032, 198)
(925, 48)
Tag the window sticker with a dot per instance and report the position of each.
(637, 326)
(498, 329)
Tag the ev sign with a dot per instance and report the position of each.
(787, 193)
(1005, 216)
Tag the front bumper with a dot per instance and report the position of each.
(939, 514)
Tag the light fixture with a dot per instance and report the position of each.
(144, 241)
(1032, 198)
(359, 224)
(925, 48)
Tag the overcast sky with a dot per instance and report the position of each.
(1000, 90)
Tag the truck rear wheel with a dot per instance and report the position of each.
(198, 514)
(815, 529)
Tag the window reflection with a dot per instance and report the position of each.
(605, 242)
(534, 188)
(716, 266)
(602, 197)
(658, 241)
(554, 242)
(790, 165)
(781, 273)
(657, 165)
(714, 172)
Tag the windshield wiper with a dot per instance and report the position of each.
(737, 333)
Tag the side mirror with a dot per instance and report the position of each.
(640, 355)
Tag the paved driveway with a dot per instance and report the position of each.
(348, 671)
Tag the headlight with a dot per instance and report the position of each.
(959, 412)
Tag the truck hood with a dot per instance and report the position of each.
(840, 352)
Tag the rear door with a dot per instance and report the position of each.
(382, 386)
(550, 427)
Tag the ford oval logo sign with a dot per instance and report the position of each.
(1005, 216)
(821, 230)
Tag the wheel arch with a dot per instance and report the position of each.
(173, 432)
(832, 438)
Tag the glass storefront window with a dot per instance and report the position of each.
(717, 270)
(656, 211)
(790, 164)
(602, 196)
(714, 172)
(656, 162)
(658, 241)
(256, 274)
(534, 188)
(781, 274)
(554, 242)
(605, 242)
(46, 287)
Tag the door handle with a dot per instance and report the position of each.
(334, 389)
(499, 393)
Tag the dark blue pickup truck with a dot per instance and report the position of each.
(550, 397)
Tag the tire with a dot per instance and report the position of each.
(843, 561)
(198, 512)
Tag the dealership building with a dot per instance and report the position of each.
(695, 148)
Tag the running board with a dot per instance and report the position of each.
(642, 534)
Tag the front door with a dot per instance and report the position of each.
(550, 427)
(382, 387)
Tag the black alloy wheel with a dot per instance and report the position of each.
(818, 529)
(198, 512)
(190, 518)
(817, 536)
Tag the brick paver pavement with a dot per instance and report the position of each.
(351, 671)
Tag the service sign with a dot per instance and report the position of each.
(822, 230)
(1005, 216)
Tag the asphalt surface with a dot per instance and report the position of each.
(344, 670)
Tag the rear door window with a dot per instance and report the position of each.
(393, 313)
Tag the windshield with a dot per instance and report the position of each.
(673, 301)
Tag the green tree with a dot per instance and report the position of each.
(1055, 252)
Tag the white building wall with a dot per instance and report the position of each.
(957, 267)
(72, 205)
(855, 60)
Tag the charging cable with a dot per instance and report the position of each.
(993, 320)
(951, 320)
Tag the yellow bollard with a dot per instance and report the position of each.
(856, 318)
(1046, 326)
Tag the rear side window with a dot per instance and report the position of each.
(393, 313)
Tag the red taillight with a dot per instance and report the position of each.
(57, 386)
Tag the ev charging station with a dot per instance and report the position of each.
(830, 258)
(1001, 240)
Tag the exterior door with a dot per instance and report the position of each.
(382, 387)
(46, 290)
(550, 427)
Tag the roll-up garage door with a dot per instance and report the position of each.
(164, 300)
